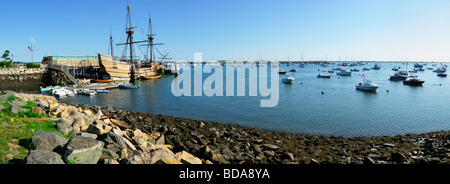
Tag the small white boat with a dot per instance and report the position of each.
(128, 86)
(101, 90)
(288, 78)
(344, 73)
(48, 89)
(70, 93)
(323, 75)
(367, 85)
(59, 92)
(89, 92)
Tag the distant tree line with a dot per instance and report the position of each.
(7, 62)
(32, 65)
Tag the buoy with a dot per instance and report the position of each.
(387, 90)
(301, 82)
(323, 92)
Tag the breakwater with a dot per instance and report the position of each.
(109, 135)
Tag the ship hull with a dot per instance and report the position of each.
(114, 67)
(120, 70)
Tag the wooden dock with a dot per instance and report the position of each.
(95, 86)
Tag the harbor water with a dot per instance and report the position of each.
(311, 105)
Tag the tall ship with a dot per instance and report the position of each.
(132, 67)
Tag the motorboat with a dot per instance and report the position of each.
(101, 90)
(354, 70)
(442, 75)
(365, 68)
(344, 72)
(376, 66)
(293, 70)
(323, 75)
(397, 77)
(403, 73)
(395, 69)
(70, 93)
(330, 71)
(48, 89)
(129, 86)
(367, 85)
(413, 81)
(288, 78)
(88, 92)
(419, 69)
(282, 71)
(417, 65)
(59, 92)
(439, 70)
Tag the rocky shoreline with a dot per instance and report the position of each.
(107, 135)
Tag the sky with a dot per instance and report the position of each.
(345, 30)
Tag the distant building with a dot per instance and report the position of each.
(76, 61)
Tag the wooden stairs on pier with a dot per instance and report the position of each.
(65, 71)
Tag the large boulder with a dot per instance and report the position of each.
(43, 157)
(110, 138)
(83, 150)
(188, 158)
(46, 140)
(154, 156)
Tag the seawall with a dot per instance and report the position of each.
(22, 80)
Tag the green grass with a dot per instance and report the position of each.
(15, 139)
(22, 114)
(11, 98)
(18, 134)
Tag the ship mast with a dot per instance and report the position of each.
(150, 43)
(130, 39)
(130, 42)
(111, 43)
